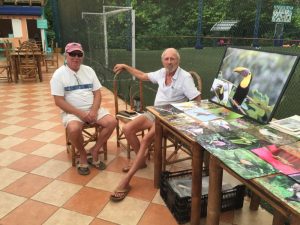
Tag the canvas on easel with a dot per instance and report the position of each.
(252, 82)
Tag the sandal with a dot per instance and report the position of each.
(119, 194)
(98, 165)
(127, 168)
(83, 169)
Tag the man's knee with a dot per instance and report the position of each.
(74, 128)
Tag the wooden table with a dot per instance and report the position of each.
(14, 62)
(282, 211)
(162, 129)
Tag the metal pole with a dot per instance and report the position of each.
(56, 22)
(199, 27)
(256, 26)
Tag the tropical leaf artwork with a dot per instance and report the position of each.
(178, 119)
(244, 140)
(215, 142)
(283, 188)
(226, 114)
(272, 135)
(221, 125)
(286, 160)
(243, 123)
(245, 163)
(295, 177)
(166, 110)
(206, 104)
(193, 129)
(259, 108)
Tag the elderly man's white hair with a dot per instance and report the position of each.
(171, 49)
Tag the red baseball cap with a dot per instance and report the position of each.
(73, 46)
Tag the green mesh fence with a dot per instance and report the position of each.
(149, 45)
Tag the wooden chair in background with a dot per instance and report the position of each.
(5, 66)
(173, 144)
(90, 134)
(27, 63)
(51, 60)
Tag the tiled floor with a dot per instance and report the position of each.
(40, 186)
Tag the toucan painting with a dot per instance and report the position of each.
(220, 92)
(243, 87)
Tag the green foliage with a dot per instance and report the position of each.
(259, 106)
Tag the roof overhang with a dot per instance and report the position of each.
(21, 10)
(224, 25)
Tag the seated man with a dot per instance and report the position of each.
(174, 85)
(76, 90)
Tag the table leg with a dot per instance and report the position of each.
(278, 219)
(14, 68)
(39, 67)
(294, 220)
(215, 192)
(197, 165)
(157, 153)
(254, 203)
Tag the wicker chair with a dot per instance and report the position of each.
(90, 133)
(5, 66)
(120, 114)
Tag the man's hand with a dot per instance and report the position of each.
(119, 68)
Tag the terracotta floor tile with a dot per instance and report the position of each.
(28, 163)
(142, 189)
(28, 146)
(158, 215)
(52, 168)
(28, 133)
(67, 217)
(10, 141)
(9, 202)
(72, 176)
(7, 157)
(24, 186)
(88, 201)
(57, 193)
(28, 122)
(61, 140)
(97, 221)
(30, 212)
(127, 212)
(49, 150)
(63, 156)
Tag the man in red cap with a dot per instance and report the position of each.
(76, 90)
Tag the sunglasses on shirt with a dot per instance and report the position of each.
(73, 54)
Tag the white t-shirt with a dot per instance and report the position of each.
(181, 89)
(76, 87)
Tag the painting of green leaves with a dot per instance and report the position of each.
(244, 140)
(165, 110)
(245, 163)
(272, 135)
(243, 123)
(225, 113)
(215, 141)
(283, 188)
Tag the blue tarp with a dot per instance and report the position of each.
(21, 10)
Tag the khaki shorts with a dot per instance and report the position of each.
(67, 117)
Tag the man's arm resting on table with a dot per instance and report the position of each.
(198, 98)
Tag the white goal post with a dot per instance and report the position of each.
(113, 10)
